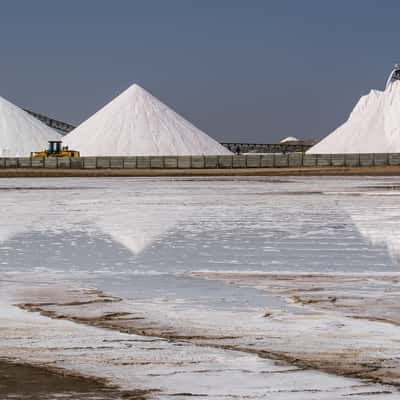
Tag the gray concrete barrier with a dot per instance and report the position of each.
(63, 162)
(198, 162)
(25, 162)
(50, 162)
(239, 161)
(142, 162)
(253, 161)
(37, 162)
(225, 161)
(338, 160)
(117, 162)
(156, 162)
(11, 163)
(394, 159)
(211, 161)
(103, 162)
(76, 163)
(352, 160)
(324, 160)
(366, 160)
(129, 162)
(184, 162)
(281, 160)
(289, 160)
(381, 159)
(309, 160)
(89, 162)
(295, 160)
(267, 161)
(171, 162)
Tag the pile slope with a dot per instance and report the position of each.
(373, 126)
(21, 133)
(137, 123)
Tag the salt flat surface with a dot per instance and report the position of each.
(21, 133)
(175, 369)
(373, 126)
(137, 123)
(145, 241)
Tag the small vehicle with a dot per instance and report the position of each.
(56, 149)
(394, 75)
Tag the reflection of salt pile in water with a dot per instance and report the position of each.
(373, 125)
(381, 234)
(380, 227)
(131, 215)
(143, 225)
(20, 133)
(137, 123)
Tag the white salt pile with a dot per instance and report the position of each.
(20, 133)
(373, 126)
(137, 123)
(289, 139)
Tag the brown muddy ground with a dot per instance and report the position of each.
(26, 382)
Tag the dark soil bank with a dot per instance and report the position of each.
(25, 382)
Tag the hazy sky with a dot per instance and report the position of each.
(249, 70)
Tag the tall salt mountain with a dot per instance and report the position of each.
(373, 126)
(137, 123)
(20, 133)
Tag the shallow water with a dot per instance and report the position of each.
(136, 237)
(140, 239)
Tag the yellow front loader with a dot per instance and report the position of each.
(56, 149)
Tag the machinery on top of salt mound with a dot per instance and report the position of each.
(56, 149)
(394, 75)
(373, 125)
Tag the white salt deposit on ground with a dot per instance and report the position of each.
(137, 123)
(373, 126)
(20, 133)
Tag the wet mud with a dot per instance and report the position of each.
(27, 382)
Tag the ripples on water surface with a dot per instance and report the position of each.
(134, 237)
(140, 239)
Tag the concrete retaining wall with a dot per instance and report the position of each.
(352, 160)
(381, 159)
(253, 161)
(211, 161)
(394, 159)
(197, 161)
(366, 160)
(184, 162)
(289, 160)
(142, 162)
(156, 162)
(295, 160)
(130, 162)
(267, 161)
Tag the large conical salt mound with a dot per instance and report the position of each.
(20, 133)
(137, 123)
(373, 126)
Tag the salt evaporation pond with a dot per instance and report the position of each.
(156, 243)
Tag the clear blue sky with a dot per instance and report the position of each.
(249, 70)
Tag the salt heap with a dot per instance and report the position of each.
(20, 133)
(373, 126)
(137, 123)
(289, 139)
